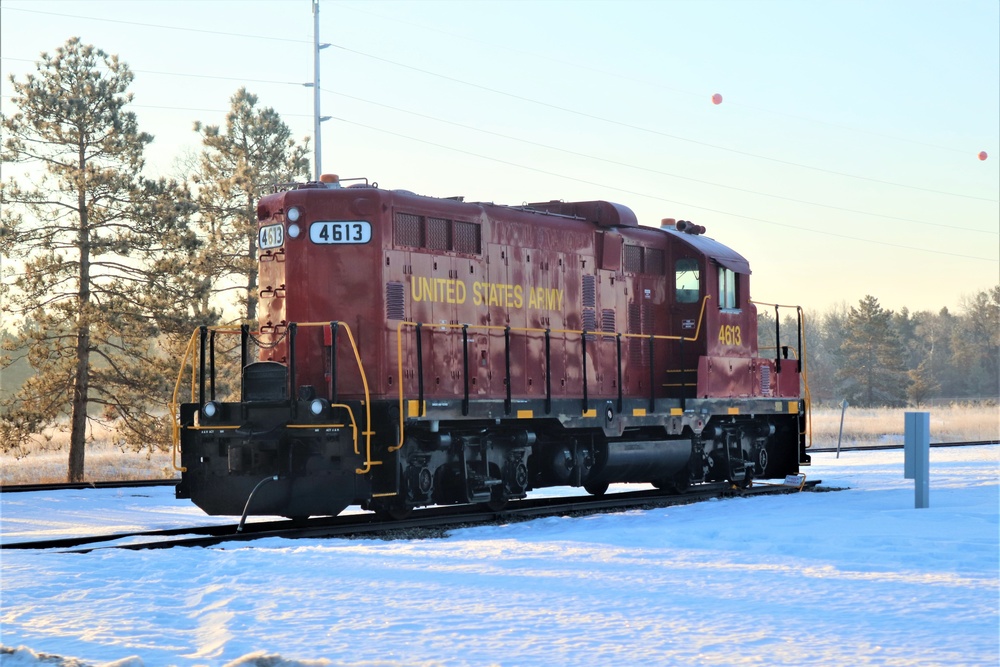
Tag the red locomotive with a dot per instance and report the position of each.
(416, 351)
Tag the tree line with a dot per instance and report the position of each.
(872, 357)
(116, 269)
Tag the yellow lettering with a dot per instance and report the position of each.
(545, 298)
(437, 289)
(418, 288)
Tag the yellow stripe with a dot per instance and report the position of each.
(525, 414)
(734, 411)
(315, 426)
(590, 413)
(793, 407)
(413, 408)
(676, 412)
(638, 412)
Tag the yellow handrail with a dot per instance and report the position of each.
(807, 396)
(495, 327)
(368, 433)
(173, 406)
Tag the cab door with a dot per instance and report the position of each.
(688, 285)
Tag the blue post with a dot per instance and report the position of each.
(916, 455)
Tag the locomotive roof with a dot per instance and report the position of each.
(601, 213)
(723, 254)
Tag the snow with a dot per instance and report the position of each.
(854, 577)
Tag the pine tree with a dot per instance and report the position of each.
(237, 167)
(91, 237)
(872, 371)
(976, 344)
(825, 334)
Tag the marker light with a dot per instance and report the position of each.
(293, 214)
(294, 230)
(318, 406)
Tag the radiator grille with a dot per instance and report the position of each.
(467, 238)
(633, 259)
(407, 230)
(438, 234)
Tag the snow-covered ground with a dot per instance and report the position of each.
(856, 577)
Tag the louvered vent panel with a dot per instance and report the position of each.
(608, 321)
(648, 314)
(589, 292)
(635, 345)
(395, 301)
(590, 322)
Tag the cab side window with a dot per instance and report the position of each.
(687, 280)
(728, 287)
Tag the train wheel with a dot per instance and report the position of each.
(596, 489)
(393, 510)
(497, 502)
(679, 483)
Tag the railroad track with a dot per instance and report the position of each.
(68, 486)
(17, 488)
(868, 448)
(430, 521)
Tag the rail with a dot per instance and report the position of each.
(198, 379)
(800, 357)
(418, 326)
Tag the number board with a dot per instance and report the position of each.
(271, 236)
(341, 231)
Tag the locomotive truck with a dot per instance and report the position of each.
(414, 350)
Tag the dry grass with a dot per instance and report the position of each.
(871, 426)
(48, 459)
(47, 462)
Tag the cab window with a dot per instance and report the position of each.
(687, 280)
(728, 283)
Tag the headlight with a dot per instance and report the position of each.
(293, 214)
(211, 410)
(294, 230)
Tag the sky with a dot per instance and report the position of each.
(842, 161)
(852, 577)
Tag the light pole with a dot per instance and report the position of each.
(317, 119)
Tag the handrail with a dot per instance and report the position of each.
(173, 406)
(368, 433)
(497, 327)
(807, 395)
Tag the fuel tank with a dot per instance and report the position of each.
(620, 461)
